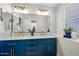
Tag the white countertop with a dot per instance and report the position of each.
(74, 40)
(24, 37)
(71, 39)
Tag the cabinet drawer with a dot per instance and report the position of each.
(7, 43)
(51, 40)
(4, 51)
(30, 45)
(30, 50)
(31, 41)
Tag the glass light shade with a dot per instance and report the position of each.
(42, 13)
(21, 11)
(25, 11)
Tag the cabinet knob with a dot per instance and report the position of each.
(32, 48)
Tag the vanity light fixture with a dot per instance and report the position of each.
(20, 9)
(42, 11)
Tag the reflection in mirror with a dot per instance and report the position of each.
(28, 20)
(24, 21)
(1, 22)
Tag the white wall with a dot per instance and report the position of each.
(52, 13)
(61, 18)
(60, 25)
(5, 7)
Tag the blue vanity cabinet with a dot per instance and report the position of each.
(28, 47)
(7, 48)
(19, 48)
(47, 47)
(31, 47)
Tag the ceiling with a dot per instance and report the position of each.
(46, 4)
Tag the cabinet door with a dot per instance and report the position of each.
(19, 49)
(53, 47)
(7, 48)
(47, 47)
(4, 51)
(31, 47)
(12, 47)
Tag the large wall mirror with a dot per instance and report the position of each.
(22, 21)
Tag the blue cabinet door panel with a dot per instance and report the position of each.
(19, 49)
(53, 47)
(47, 47)
(6, 47)
(4, 51)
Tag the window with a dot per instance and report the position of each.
(72, 16)
(73, 23)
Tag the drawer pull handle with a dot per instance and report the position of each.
(4, 53)
(32, 48)
(12, 51)
(12, 44)
(31, 42)
(48, 41)
(31, 53)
